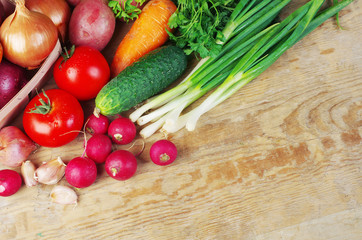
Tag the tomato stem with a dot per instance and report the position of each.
(66, 55)
(44, 108)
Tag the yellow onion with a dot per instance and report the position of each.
(57, 10)
(27, 37)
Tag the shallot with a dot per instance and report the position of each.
(15, 146)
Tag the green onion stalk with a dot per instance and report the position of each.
(251, 46)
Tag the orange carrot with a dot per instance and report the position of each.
(147, 33)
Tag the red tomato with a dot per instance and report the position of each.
(83, 74)
(57, 125)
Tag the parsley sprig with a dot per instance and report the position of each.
(199, 25)
(125, 10)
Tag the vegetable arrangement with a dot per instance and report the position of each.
(236, 41)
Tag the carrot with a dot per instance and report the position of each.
(147, 33)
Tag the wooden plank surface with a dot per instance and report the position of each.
(280, 159)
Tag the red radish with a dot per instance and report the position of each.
(121, 165)
(81, 172)
(98, 147)
(97, 124)
(15, 146)
(122, 130)
(10, 182)
(163, 152)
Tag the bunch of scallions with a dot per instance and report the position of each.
(252, 43)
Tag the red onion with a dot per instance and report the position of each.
(2, 13)
(8, 7)
(1, 52)
(73, 2)
(15, 146)
(12, 79)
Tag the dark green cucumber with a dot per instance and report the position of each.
(148, 76)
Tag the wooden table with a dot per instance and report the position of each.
(280, 159)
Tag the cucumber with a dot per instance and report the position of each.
(148, 76)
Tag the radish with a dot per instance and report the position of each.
(10, 182)
(98, 147)
(97, 124)
(81, 172)
(163, 152)
(121, 165)
(122, 130)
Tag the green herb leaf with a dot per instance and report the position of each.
(200, 24)
(126, 11)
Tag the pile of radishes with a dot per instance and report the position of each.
(120, 164)
(81, 171)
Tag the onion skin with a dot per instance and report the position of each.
(27, 37)
(57, 10)
(15, 146)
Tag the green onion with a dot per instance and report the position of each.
(247, 52)
(204, 70)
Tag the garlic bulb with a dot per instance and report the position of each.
(28, 170)
(51, 172)
(63, 195)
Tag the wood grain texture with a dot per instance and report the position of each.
(280, 159)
